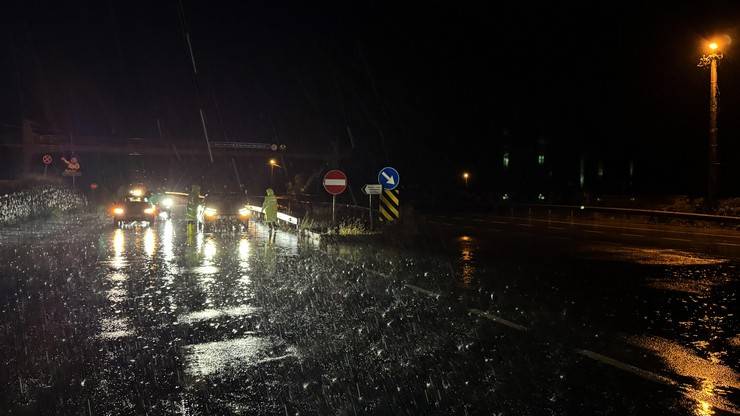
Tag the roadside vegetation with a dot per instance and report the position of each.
(38, 201)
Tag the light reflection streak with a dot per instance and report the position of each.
(244, 249)
(703, 397)
(119, 260)
(467, 258)
(168, 236)
(209, 250)
(149, 242)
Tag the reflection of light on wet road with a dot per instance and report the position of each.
(651, 256)
(207, 314)
(703, 408)
(467, 260)
(715, 380)
(118, 246)
(288, 242)
(209, 249)
(149, 242)
(244, 249)
(213, 357)
(168, 235)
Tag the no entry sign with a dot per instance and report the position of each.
(47, 159)
(335, 182)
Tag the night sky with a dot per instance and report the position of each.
(431, 88)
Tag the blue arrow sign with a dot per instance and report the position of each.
(389, 178)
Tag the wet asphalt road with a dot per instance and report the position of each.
(476, 317)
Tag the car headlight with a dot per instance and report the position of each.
(210, 212)
(118, 211)
(167, 203)
(149, 210)
(243, 212)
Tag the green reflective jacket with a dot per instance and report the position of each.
(270, 206)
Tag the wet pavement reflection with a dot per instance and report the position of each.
(159, 321)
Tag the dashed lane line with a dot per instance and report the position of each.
(626, 367)
(422, 290)
(648, 375)
(497, 319)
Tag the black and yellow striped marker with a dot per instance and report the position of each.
(389, 208)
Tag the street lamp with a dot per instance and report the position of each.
(272, 163)
(711, 59)
(466, 175)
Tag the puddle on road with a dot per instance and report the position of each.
(207, 314)
(714, 381)
(648, 256)
(115, 328)
(202, 360)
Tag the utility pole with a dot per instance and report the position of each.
(712, 60)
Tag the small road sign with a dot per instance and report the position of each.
(372, 189)
(390, 205)
(47, 159)
(389, 178)
(335, 182)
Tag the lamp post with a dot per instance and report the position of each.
(711, 59)
(466, 175)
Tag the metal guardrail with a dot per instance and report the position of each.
(280, 215)
(639, 212)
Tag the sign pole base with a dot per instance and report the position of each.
(333, 204)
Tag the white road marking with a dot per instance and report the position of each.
(421, 290)
(675, 239)
(626, 367)
(728, 244)
(497, 319)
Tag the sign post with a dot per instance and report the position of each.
(46, 159)
(370, 190)
(335, 182)
(73, 168)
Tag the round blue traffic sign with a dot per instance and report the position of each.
(389, 178)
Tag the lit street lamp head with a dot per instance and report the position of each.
(466, 175)
(713, 46)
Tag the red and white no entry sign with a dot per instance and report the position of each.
(47, 159)
(335, 182)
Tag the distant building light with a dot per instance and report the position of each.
(540, 160)
(541, 197)
(600, 169)
(505, 197)
(506, 160)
